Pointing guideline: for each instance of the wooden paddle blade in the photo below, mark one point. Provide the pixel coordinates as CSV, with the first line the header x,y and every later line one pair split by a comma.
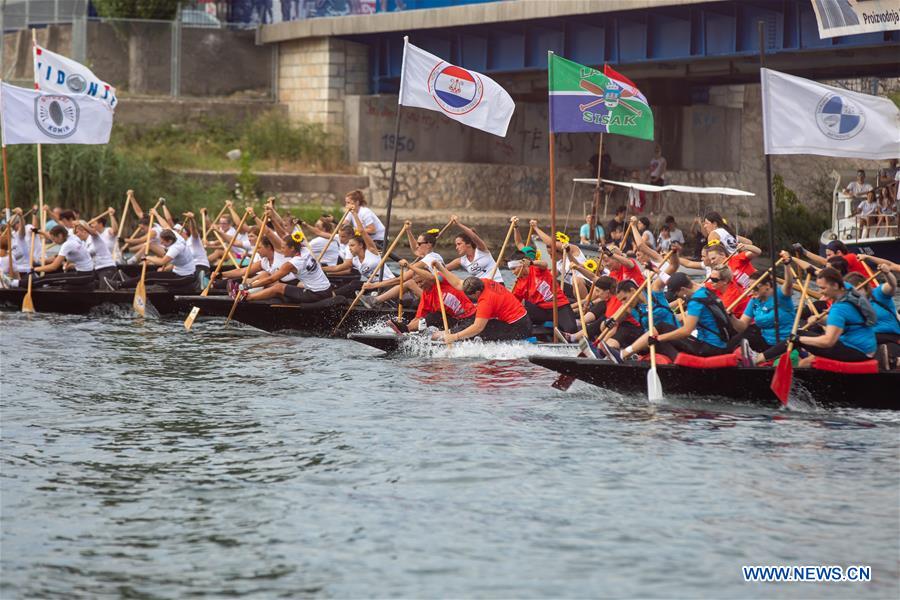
x,y
783,378
27,302
189,322
563,382
654,386
140,299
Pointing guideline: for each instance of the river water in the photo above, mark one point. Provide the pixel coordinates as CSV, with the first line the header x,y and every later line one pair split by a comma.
x,y
139,460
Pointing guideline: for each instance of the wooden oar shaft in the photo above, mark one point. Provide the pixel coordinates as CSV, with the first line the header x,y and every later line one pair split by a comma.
x,y
625,235
331,237
214,221
212,278
621,310
444,228
580,308
790,345
400,297
228,255
237,298
751,287
440,294
509,231
375,272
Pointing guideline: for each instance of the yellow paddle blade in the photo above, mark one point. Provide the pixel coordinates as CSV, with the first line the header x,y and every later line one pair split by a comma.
x,y
27,302
140,299
189,322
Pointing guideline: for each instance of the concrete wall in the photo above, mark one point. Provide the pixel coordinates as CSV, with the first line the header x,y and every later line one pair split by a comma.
x,y
314,76
214,62
446,166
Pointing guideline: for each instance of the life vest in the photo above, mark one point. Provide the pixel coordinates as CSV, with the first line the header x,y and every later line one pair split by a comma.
x,y
862,305
720,315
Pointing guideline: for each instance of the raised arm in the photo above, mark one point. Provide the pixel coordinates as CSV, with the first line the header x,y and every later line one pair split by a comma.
x,y
448,275
370,245
410,238
890,283
787,287
479,243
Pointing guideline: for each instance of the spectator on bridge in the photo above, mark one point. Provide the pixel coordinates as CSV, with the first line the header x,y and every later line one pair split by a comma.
x,y
657,172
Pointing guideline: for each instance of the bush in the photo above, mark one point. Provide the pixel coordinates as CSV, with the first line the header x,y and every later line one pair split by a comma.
x,y
90,178
270,136
794,220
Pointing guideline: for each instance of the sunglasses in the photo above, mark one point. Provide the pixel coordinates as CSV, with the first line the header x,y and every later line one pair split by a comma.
x,y
420,243
715,279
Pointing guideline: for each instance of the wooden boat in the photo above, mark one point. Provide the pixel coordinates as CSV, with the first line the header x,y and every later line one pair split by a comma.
x,y
745,384
317,318
391,343
79,302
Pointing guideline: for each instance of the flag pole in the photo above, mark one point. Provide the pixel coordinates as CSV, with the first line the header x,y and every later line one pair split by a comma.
x,y
771,210
595,206
390,202
40,166
8,218
555,283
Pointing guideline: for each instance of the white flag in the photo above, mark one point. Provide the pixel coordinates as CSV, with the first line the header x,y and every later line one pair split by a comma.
x,y
36,117
804,117
471,98
55,73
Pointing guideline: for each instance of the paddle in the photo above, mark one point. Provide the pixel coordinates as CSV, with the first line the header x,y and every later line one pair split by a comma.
x,y
27,303
189,321
237,297
400,297
375,272
215,221
654,385
440,294
122,220
445,228
228,255
512,225
140,292
331,237
784,373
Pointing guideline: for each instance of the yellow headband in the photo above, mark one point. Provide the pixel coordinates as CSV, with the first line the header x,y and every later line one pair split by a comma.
x,y
434,231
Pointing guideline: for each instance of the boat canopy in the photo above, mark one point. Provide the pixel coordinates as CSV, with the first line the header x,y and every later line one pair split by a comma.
x,y
685,189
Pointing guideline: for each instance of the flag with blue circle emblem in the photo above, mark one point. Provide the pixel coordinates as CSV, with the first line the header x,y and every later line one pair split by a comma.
x,y
463,95
806,117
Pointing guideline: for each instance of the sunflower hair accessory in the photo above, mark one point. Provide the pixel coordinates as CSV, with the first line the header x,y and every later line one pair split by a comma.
x,y
357,232
297,236
537,255
591,265
434,231
562,238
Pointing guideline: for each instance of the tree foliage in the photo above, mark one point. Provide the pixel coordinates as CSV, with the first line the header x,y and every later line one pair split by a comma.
x,y
795,221
137,9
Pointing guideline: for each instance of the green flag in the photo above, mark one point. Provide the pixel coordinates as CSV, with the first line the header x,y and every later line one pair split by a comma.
x,y
583,99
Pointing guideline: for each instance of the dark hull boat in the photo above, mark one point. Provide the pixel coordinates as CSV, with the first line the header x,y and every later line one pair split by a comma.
x,y
825,388
317,318
392,342
79,302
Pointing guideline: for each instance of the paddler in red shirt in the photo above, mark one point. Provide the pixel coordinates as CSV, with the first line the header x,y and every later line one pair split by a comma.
x,y
622,267
460,310
834,248
498,314
534,288
741,263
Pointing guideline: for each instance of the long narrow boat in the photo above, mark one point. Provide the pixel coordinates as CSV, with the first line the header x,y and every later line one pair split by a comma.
x,y
391,343
79,302
317,318
825,388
